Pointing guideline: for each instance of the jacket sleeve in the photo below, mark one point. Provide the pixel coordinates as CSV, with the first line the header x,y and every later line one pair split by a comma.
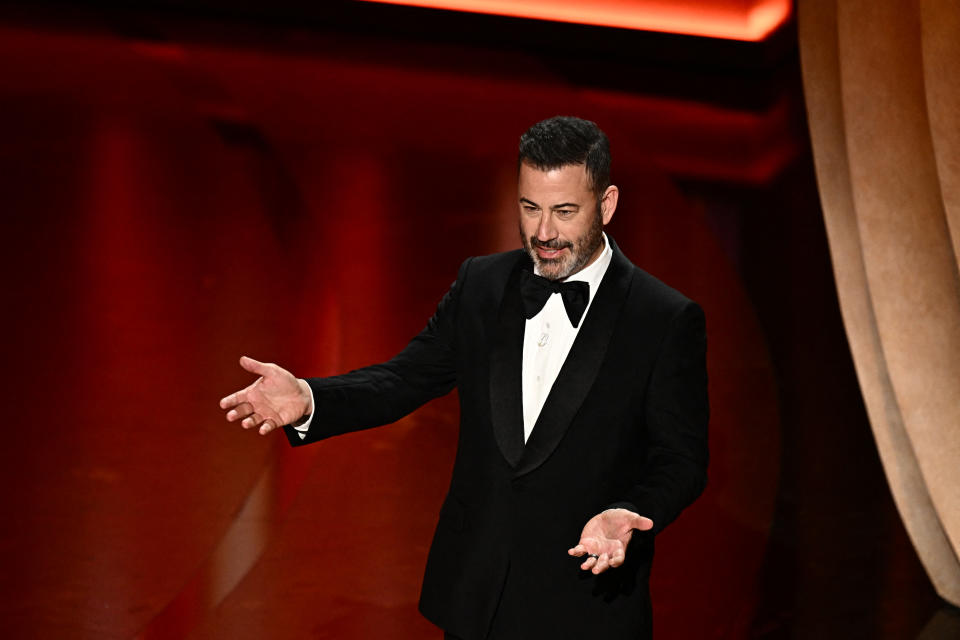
x,y
384,393
676,414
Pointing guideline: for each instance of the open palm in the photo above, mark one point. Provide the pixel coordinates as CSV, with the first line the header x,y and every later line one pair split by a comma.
x,y
274,399
605,537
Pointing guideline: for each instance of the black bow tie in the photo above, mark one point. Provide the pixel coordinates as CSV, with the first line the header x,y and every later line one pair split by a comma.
x,y
536,290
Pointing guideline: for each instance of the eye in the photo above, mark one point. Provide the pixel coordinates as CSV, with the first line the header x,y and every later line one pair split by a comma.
x,y
530,208
564,213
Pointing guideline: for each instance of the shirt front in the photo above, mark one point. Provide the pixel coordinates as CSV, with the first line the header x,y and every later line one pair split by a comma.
x,y
548,337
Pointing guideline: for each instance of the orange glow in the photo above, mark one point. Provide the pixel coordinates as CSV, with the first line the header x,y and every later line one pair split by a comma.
x,y
751,20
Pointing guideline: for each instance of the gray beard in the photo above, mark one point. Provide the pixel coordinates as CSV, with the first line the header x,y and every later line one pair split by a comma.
x,y
581,252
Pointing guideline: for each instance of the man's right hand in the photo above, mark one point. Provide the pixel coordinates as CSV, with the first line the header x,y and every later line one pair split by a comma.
x,y
274,399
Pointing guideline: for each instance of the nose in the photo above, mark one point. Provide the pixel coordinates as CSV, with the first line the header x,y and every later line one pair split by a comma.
x,y
546,230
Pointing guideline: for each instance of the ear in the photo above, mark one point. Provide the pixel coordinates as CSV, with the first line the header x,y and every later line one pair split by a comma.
x,y
608,203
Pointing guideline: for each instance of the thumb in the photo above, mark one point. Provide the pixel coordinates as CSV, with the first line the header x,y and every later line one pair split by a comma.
x,y
641,523
254,366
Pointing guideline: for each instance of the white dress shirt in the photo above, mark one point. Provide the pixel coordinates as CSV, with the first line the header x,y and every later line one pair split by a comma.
x,y
547,338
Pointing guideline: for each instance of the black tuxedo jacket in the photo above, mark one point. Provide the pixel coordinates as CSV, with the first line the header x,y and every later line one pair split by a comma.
x,y
625,424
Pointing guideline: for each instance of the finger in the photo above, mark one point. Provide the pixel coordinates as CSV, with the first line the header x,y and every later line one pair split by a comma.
x,y
617,558
578,550
232,400
254,366
641,523
242,410
603,563
267,427
588,563
254,420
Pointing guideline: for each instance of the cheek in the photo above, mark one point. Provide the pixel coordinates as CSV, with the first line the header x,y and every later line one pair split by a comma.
x,y
570,232
528,226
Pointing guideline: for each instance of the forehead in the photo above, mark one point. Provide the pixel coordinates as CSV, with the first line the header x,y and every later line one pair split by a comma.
x,y
567,183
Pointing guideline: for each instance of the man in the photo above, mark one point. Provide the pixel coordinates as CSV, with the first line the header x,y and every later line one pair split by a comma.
x,y
583,402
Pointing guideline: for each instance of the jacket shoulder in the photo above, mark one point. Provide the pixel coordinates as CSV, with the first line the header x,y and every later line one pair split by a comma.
x,y
490,271
655,295
495,265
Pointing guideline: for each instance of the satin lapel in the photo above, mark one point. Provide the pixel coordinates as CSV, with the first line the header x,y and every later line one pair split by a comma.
x,y
506,362
580,368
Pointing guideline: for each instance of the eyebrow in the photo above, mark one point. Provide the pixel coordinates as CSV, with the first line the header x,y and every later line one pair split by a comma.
x,y
562,205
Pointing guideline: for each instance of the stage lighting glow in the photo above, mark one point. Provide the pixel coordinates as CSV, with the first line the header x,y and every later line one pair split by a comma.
x,y
750,20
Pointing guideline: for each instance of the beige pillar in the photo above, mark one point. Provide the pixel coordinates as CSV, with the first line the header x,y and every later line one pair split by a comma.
x,y
882,110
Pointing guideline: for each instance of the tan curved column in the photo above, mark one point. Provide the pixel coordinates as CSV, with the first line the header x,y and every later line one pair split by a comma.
x,y
892,255
940,28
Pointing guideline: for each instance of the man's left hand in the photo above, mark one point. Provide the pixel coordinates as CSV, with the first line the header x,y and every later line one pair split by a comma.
x,y
605,538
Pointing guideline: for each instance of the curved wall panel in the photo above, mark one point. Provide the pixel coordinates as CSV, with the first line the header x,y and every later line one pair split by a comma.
x,y
887,221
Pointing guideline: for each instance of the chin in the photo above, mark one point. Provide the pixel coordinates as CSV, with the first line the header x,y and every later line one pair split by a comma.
x,y
550,269
553,270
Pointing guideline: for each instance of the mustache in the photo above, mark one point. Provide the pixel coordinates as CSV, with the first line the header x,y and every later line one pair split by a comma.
x,y
550,244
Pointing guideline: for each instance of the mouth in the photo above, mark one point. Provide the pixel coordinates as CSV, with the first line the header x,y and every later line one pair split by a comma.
x,y
549,254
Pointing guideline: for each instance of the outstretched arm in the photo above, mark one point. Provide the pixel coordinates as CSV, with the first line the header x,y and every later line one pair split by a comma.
x,y
677,413
367,397
675,468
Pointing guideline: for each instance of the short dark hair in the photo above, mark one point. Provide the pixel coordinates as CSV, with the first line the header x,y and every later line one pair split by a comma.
x,y
564,140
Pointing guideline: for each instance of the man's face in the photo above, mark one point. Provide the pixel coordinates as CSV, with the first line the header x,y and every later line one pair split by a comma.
x,y
559,222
